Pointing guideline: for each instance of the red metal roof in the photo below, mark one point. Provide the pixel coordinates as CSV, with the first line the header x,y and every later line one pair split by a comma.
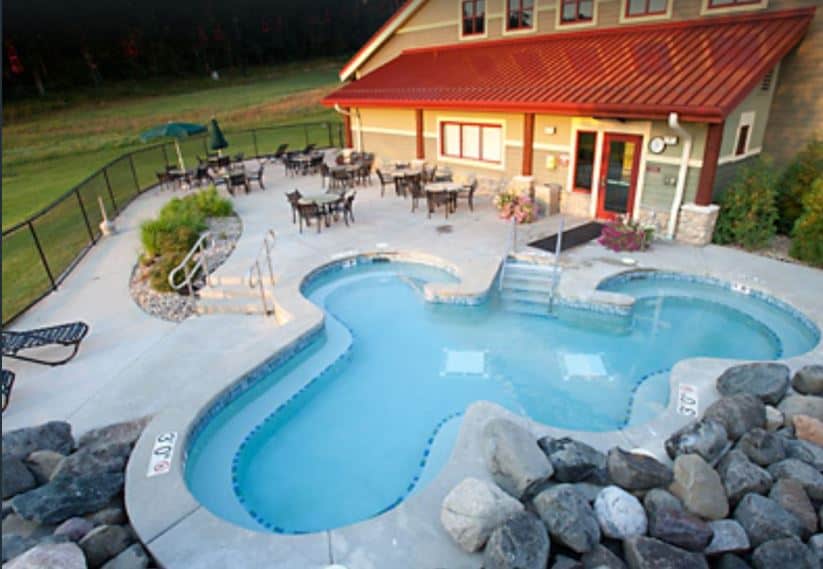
x,y
701,69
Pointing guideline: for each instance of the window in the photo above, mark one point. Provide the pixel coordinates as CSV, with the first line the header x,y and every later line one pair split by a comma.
x,y
742,140
576,11
471,141
474,17
584,161
731,3
636,8
521,14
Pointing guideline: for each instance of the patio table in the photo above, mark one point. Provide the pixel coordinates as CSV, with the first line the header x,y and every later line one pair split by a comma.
x,y
450,189
323,201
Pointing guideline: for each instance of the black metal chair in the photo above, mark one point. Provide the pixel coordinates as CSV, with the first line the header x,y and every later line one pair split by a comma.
x,y
238,180
68,335
294,200
309,148
348,208
279,153
467,191
308,212
257,176
6,383
202,174
324,173
435,199
384,181
414,186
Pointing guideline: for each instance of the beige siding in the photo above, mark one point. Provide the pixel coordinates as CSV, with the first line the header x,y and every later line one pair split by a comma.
x,y
757,102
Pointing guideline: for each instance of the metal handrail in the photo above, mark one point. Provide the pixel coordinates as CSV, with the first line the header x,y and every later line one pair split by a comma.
x,y
556,269
201,263
255,272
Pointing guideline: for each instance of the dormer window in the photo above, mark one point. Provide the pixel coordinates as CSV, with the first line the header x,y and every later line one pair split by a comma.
x,y
731,3
576,11
474,17
520,14
639,8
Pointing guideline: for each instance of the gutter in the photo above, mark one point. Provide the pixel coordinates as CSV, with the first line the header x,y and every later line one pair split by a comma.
x,y
680,188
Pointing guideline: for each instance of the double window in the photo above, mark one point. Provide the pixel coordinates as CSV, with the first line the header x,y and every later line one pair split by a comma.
x,y
584,160
520,14
635,8
572,11
731,3
474,17
472,141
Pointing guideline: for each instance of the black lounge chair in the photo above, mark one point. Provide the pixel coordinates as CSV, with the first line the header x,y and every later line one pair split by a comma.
x,y
64,335
309,148
5,388
279,153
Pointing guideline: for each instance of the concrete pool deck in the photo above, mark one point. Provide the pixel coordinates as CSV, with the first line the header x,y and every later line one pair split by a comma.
x,y
132,364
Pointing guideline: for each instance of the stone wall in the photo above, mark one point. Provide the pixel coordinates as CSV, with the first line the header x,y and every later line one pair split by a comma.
x,y
575,203
696,224
656,218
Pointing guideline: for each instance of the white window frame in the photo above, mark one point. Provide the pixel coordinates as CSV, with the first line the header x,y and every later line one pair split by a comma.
x,y
559,25
706,9
746,119
519,31
501,166
626,19
471,37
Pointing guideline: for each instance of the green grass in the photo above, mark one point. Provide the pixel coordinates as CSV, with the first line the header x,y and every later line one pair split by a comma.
x,y
50,145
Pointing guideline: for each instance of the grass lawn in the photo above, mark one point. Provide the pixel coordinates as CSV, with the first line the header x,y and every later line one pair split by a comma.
x,y
51,144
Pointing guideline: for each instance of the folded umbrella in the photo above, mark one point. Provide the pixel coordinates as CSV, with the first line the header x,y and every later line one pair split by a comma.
x,y
175,130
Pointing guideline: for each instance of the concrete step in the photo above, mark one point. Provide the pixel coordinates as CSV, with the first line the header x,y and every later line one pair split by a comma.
x,y
230,306
227,280
237,291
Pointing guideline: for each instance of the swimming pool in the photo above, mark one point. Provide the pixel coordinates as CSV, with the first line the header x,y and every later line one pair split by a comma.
x,y
346,428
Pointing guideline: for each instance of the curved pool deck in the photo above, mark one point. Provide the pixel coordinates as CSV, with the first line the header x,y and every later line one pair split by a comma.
x,y
181,532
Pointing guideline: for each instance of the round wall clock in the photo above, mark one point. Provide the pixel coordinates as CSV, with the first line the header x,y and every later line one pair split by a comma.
x,y
657,144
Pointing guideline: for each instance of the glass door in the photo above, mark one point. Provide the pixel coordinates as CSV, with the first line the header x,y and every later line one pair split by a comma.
x,y
618,175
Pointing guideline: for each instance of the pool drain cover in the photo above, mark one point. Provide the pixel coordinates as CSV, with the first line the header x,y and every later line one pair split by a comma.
x,y
465,363
444,228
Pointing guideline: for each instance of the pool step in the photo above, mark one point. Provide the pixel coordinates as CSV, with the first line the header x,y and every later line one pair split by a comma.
x,y
234,299
527,287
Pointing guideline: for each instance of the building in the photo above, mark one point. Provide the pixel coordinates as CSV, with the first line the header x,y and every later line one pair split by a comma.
x,y
641,108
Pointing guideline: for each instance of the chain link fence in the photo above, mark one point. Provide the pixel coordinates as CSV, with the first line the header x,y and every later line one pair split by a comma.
x,y
39,252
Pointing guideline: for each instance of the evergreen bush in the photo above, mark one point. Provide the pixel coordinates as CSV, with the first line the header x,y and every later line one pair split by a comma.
x,y
795,182
748,210
807,236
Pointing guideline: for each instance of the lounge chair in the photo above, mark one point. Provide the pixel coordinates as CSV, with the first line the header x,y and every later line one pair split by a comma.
x,y
6,384
64,335
309,148
279,153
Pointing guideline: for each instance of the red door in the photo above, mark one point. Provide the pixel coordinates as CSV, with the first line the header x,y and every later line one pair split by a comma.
x,y
618,175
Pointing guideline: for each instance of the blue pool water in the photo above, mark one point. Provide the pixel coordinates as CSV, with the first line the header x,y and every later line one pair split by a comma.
x,y
393,373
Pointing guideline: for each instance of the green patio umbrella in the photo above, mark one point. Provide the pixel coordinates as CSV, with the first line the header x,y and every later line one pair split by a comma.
x,y
175,130
216,139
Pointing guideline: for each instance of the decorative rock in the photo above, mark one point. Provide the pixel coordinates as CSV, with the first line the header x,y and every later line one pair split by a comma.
x,y
14,545
133,557
808,452
74,528
94,460
63,498
658,499
762,447
513,458
786,552
808,380
619,514
793,498
43,463
774,418
118,433
633,471
573,461
764,519
728,537
731,561
699,487
563,562
741,476
104,542
16,477
681,529
602,558
588,491
113,516
766,381
24,528
473,509
521,542
568,517
650,553
55,435
801,405
706,438
816,545
806,474
808,429
738,414
49,556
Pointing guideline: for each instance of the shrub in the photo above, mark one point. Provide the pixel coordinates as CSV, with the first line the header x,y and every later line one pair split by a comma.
x,y
211,204
748,211
795,182
807,236
620,235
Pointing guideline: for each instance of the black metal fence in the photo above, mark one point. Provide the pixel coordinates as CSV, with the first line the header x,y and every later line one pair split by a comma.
x,y
39,252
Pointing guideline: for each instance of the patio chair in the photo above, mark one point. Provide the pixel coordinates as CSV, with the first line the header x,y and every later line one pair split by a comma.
x,y
468,192
309,148
164,178
294,200
384,181
316,163
340,179
308,212
257,176
69,335
324,173
435,199
291,165
202,174
238,180
414,185
6,383
278,154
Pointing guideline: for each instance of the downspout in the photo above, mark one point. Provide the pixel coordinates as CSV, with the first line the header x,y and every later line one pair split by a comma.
x,y
680,188
340,110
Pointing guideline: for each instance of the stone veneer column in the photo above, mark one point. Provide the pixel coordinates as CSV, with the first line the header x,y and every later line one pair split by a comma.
x,y
696,224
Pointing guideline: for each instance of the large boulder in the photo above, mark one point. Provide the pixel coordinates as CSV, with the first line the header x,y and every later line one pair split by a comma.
x,y
573,461
699,487
808,380
739,414
96,459
807,475
766,381
43,463
619,514
513,458
650,553
808,429
634,471
680,528
764,519
658,499
791,495
741,476
55,435
133,557
786,552
64,498
16,477
808,452
50,556
792,405
119,433
473,509
521,542
103,543
728,536
762,447
706,438
568,517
